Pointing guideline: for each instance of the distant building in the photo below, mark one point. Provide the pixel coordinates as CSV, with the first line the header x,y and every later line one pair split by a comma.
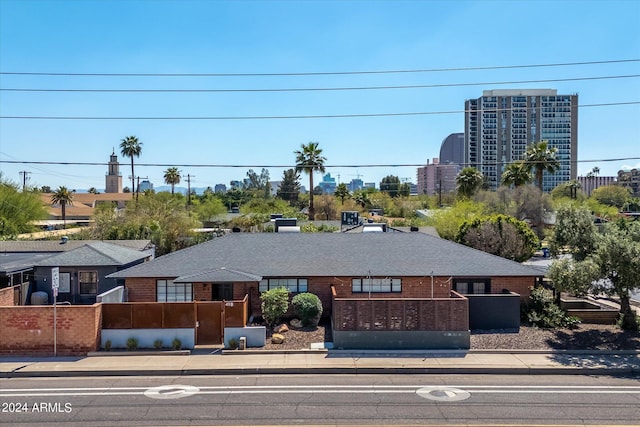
x,y
236,184
328,184
630,179
145,185
437,178
369,185
590,183
355,185
220,188
502,123
113,179
452,149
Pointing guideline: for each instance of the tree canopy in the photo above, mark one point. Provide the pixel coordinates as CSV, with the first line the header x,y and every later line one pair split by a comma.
x,y
541,158
172,177
18,210
131,147
500,235
469,180
309,159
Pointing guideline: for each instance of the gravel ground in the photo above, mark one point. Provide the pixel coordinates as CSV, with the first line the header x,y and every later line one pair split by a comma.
x,y
583,337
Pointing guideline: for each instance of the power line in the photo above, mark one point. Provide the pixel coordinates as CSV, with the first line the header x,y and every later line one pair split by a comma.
x,y
319,116
319,73
213,165
318,89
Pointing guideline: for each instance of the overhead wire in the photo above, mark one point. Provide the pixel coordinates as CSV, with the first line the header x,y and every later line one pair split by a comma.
x,y
317,89
317,116
319,73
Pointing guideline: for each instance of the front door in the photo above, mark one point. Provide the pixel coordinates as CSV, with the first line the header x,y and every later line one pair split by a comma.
x,y
222,291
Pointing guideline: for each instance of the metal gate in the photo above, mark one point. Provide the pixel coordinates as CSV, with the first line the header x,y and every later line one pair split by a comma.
x,y
209,322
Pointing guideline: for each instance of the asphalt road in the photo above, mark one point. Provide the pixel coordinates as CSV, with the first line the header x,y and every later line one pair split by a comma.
x,y
320,400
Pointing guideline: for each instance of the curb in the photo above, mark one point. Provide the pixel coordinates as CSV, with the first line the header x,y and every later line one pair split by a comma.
x,y
334,371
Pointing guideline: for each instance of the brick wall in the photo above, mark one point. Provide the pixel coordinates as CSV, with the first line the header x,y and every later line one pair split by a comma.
x,y
6,297
141,289
519,285
29,329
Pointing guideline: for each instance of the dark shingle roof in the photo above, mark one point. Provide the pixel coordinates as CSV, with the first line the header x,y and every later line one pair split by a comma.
x,y
94,254
47,246
330,254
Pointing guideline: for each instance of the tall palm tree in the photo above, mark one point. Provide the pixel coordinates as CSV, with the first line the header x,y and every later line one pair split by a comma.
x,y
131,147
542,158
172,177
63,197
516,174
309,159
469,180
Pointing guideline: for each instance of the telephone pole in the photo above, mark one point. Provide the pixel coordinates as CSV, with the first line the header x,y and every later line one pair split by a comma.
x,y
189,188
25,178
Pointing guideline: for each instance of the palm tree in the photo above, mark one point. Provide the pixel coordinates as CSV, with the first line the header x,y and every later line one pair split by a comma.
x,y
131,147
469,180
516,174
309,159
172,177
342,192
63,197
542,158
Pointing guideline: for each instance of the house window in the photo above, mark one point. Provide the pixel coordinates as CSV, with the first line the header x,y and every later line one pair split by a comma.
x,y
293,285
472,286
376,285
88,281
167,291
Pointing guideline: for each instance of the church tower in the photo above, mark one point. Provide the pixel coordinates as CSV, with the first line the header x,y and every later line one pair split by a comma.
x,y
113,178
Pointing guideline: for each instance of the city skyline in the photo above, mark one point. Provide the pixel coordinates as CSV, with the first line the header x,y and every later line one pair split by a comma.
x,y
245,84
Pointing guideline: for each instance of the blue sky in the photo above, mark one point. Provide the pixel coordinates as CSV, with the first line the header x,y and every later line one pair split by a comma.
x,y
245,37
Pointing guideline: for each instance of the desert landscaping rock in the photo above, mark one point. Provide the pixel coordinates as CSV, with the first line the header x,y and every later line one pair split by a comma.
x,y
277,339
583,337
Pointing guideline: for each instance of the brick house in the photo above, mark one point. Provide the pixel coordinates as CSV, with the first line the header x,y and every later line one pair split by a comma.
x,y
364,265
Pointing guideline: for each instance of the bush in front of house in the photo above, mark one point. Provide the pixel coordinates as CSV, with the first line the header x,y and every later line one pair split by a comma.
x,y
132,344
543,312
275,303
308,307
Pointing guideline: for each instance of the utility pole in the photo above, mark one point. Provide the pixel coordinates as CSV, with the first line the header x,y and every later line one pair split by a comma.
x,y
138,185
189,188
25,178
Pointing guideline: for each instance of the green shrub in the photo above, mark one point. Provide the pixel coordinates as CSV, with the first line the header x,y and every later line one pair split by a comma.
x,y
107,345
157,344
308,307
543,312
132,344
176,344
233,343
275,303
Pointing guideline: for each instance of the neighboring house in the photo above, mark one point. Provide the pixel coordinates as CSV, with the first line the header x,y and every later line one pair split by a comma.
x,y
83,271
20,259
360,265
83,205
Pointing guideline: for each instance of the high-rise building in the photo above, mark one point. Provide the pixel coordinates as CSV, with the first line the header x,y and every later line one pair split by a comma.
x,y
502,123
113,179
452,149
437,178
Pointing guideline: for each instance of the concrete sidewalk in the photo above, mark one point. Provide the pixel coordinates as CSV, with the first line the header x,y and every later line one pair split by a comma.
x,y
328,362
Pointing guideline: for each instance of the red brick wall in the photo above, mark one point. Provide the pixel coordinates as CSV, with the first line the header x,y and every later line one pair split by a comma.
x,y
6,297
141,289
519,285
202,291
29,329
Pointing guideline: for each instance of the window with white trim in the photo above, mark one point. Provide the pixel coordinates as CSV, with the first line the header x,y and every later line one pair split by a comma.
x,y
293,285
167,291
376,285
88,281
